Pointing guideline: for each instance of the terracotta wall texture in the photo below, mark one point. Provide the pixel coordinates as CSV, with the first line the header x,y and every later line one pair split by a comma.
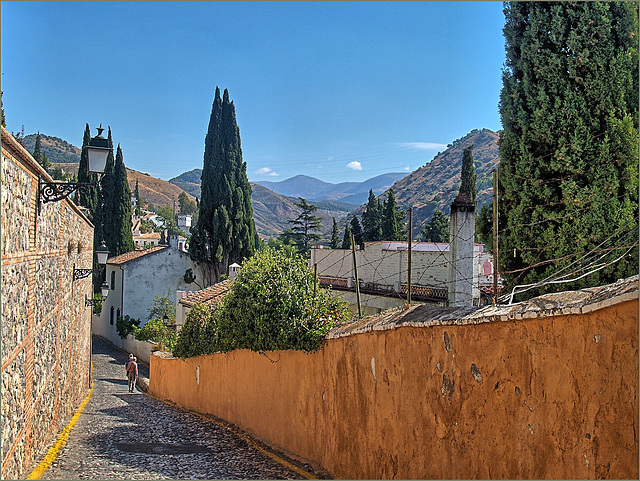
x,y
46,328
555,396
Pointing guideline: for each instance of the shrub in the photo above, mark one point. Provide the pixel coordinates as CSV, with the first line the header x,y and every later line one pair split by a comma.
x,y
270,306
156,331
126,325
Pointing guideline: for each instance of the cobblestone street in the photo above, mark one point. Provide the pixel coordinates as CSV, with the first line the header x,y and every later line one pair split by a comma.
x,y
121,435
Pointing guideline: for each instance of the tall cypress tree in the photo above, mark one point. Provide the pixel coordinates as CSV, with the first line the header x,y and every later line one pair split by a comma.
x,y
346,239
334,244
104,221
392,219
356,230
372,219
122,225
468,175
38,154
225,231
88,198
569,150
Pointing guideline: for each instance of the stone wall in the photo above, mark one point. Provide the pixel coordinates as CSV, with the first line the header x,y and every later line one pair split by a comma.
x,y
546,389
46,329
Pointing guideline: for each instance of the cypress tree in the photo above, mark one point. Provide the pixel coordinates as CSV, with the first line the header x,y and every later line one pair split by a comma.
x,y
38,153
88,198
122,233
356,230
569,150
392,220
225,231
334,244
346,240
372,219
468,175
437,229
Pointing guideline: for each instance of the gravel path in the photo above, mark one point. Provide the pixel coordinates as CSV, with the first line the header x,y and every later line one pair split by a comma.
x,y
121,435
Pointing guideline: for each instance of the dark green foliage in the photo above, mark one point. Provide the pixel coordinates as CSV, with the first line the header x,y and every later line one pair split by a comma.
x,y
346,239
156,331
187,206
569,151
163,306
225,231
356,230
3,121
270,306
392,220
88,198
484,226
372,219
39,155
468,176
437,229
335,239
306,227
122,238
126,325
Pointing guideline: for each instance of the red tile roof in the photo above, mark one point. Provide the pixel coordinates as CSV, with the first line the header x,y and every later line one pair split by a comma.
x,y
209,295
129,256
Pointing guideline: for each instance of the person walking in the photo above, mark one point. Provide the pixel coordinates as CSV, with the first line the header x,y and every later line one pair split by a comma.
x,y
132,373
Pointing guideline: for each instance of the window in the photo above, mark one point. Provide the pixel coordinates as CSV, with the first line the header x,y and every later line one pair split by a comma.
x,y
117,313
113,280
111,315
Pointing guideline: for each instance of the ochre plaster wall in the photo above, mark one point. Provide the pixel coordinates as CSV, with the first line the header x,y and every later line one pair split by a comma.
x,y
548,398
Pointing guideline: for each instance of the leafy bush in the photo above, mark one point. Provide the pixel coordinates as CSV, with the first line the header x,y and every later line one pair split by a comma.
x,y
156,331
126,325
270,306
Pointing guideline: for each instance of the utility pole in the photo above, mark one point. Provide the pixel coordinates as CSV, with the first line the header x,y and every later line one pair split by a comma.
x,y
495,236
315,278
409,258
355,270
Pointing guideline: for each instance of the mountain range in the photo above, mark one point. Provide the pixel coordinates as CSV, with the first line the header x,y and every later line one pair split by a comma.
x,y
432,186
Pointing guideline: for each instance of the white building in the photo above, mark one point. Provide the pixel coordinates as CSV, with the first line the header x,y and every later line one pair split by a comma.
x,y
141,240
134,279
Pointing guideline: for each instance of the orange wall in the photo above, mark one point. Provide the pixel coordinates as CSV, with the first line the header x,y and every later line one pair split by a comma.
x,y
549,401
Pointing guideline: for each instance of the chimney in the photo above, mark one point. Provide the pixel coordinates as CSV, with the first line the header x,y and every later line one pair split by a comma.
x,y
233,271
462,241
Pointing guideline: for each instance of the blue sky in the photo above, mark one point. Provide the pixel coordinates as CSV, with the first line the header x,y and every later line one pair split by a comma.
x,y
342,91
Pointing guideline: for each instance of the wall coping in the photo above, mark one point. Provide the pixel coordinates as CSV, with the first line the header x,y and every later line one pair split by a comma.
x,y
27,158
557,304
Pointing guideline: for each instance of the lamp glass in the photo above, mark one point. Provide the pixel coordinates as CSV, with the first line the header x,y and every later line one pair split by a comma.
x,y
105,290
96,159
102,254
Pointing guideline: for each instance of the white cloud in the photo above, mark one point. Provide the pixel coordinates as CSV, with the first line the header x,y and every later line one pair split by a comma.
x,y
355,165
265,171
422,145
406,168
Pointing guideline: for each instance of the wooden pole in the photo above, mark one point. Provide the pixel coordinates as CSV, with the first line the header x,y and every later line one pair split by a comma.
x,y
315,278
355,270
495,236
409,259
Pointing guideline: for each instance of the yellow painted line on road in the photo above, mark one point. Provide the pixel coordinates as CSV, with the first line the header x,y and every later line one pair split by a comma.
x,y
62,439
248,440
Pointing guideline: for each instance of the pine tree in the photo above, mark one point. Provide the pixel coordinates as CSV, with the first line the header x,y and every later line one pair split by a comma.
x,y
437,229
569,150
88,198
346,240
334,244
392,219
225,231
372,219
468,177
305,226
356,230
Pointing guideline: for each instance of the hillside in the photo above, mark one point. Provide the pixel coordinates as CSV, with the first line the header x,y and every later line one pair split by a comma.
x,y
189,182
156,191
57,150
436,184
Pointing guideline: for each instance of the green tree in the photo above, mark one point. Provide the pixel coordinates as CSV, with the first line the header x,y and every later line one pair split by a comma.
x,y
346,239
89,198
163,306
38,154
372,219
122,235
335,239
392,220
484,226
3,120
468,177
225,231
187,206
306,226
437,229
356,230
569,150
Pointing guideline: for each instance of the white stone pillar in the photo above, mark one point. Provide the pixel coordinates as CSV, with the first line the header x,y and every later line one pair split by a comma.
x,y
462,240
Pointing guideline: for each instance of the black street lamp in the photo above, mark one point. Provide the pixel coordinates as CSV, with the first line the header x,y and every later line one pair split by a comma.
x,y
97,152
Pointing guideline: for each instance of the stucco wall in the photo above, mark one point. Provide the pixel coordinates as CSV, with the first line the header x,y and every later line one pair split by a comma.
x,y
550,397
46,328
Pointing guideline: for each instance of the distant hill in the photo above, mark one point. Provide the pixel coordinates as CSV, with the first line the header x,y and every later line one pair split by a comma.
x,y
57,150
435,185
189,182
156,191
317,190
